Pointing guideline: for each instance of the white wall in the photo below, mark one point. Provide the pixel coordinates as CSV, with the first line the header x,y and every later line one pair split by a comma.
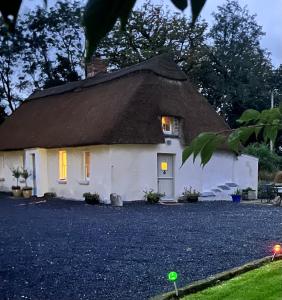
x,y
128,170
134,169
246,171
75,184
9,161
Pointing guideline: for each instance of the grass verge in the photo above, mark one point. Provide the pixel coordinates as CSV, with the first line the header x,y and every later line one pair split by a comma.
x,y
264,283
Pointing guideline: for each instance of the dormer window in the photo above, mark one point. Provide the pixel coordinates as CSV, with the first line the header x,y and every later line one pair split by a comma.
x,y
170,125
167,125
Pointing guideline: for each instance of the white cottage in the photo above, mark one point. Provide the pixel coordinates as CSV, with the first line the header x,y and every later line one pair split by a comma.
x,y
121,132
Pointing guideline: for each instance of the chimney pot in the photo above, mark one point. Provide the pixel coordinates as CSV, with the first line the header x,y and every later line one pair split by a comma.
x,y
95,66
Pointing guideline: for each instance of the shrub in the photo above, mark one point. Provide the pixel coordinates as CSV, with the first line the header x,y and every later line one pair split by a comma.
x,y
50,195
269,162
189,195
91,198
152,197
16,187
278,177
25,174
16,174
238,192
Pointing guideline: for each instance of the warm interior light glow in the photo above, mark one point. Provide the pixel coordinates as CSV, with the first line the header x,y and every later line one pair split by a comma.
x,y
277,249
87,165
164,166
62,165
167,124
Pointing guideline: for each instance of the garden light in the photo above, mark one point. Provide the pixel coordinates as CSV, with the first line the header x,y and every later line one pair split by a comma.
x,y
172,276
276,250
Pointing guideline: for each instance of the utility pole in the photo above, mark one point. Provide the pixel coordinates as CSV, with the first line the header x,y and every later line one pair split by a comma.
x,y
271,106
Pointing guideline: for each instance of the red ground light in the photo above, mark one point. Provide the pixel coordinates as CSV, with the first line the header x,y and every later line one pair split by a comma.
x,y
277,249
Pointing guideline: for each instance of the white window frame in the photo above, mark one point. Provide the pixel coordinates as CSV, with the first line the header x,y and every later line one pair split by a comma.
x,y
170,125
84,170
59,165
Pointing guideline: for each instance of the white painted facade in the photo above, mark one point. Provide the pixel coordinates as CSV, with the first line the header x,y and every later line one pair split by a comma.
x,y
127,170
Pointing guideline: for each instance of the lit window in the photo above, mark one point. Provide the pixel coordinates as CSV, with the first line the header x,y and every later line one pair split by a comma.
x,y
62,165
167,124
86,165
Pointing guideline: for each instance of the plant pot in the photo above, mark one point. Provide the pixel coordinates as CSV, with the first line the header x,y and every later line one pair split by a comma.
x,y
236,198
245,195
116,200
192,198
17,192
27,193
90,200
251,195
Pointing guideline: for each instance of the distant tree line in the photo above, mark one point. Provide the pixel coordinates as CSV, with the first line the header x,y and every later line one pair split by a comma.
x,y
226,62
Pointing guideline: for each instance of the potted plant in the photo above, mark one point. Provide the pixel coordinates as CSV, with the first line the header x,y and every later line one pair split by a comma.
x,y
27,190
16,189
236,197
248,194
91,198
152,197
189,195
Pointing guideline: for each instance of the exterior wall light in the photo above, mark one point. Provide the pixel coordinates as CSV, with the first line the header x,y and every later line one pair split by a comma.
x,y
164,167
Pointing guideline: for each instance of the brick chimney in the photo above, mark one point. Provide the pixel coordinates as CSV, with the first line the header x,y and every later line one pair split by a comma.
x,y
95,66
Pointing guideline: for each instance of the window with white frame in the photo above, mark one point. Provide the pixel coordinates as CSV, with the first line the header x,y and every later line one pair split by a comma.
x,y
86,165
62,165
167,124
170,125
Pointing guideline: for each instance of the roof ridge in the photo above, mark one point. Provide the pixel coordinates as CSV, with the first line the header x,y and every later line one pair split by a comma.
x,y
161,65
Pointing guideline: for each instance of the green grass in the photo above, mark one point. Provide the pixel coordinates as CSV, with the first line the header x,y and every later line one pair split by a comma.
x,y
264,283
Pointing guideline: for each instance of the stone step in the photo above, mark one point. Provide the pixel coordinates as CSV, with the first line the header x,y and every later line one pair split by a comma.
x,y
223,187
231,184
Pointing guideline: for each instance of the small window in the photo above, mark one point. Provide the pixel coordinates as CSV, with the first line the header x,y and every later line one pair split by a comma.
x,y
62,165
1,164
86,165
167,125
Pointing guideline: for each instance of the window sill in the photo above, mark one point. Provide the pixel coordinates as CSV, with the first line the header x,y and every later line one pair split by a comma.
x,y
171,135
83,182
61,181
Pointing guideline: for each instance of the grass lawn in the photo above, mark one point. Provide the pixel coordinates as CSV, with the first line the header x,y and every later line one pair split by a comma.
x,y
264,283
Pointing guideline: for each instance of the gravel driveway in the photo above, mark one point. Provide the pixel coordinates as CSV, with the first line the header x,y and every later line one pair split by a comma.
x,y
69,250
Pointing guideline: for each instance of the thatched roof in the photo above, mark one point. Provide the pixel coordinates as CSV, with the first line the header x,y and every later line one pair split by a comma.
x,y
123,107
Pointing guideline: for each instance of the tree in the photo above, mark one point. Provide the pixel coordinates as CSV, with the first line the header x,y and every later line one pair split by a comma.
x,y
150,31
54,44
269,161
238,71
46,49
99,17
12,80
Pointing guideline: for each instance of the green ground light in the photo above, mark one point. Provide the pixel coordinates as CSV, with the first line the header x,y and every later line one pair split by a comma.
x,y
172,276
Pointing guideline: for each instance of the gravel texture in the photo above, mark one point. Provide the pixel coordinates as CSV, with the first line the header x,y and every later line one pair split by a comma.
x,y
70,250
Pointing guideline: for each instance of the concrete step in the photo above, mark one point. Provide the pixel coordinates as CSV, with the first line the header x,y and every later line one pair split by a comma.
x,y
221,192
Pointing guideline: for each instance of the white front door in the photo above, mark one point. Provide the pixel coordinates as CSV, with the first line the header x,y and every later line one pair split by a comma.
x,y
166,175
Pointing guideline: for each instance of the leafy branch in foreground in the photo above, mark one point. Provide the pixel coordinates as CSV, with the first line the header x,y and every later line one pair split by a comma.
x,y
99,16
253,123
